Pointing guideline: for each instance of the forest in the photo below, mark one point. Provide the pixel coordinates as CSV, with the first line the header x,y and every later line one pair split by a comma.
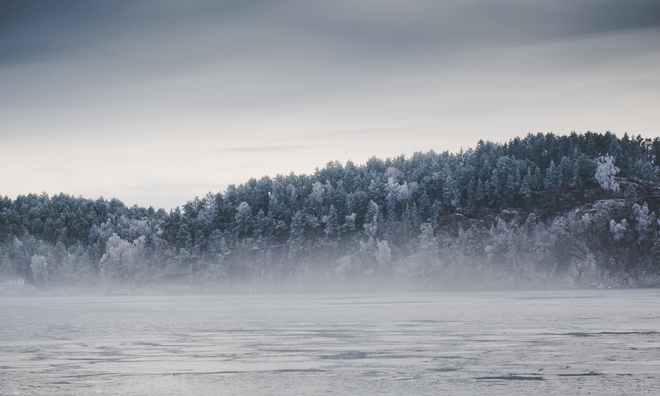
x,y
575,210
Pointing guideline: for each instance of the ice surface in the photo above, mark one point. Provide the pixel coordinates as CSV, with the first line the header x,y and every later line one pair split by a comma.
x,y
600,342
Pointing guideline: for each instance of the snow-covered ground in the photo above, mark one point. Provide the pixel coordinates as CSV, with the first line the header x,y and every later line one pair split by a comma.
x,y
600,342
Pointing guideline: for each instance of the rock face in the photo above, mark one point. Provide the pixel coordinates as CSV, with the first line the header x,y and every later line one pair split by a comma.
x,y
612,240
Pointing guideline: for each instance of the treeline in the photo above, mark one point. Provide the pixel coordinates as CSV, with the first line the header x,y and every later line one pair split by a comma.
x,y
579,208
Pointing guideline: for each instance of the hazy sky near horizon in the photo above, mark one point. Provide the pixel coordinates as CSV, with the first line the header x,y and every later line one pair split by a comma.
x,y
154,102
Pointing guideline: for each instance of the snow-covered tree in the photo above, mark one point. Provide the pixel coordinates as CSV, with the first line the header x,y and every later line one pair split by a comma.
x,y
371,222
121,259
243,220
318,192
552,180
618,230
644,221
331,221
606,173
297,236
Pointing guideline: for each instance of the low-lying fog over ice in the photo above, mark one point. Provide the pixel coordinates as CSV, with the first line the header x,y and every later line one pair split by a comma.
x,y
601,342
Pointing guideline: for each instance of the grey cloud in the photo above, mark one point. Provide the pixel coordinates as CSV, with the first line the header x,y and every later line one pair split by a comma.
x,y
33,30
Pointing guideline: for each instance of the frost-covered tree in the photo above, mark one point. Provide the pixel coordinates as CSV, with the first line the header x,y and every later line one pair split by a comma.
x,y
372,221
618,229
606,173
243,219
331,221
297,237
552,180
450,192
526,185
121,260
644,221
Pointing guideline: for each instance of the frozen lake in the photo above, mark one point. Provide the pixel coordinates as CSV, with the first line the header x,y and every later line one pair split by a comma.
x,y
600,342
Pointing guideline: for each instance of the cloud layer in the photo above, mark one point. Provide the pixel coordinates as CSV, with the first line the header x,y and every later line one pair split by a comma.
x,y
182,97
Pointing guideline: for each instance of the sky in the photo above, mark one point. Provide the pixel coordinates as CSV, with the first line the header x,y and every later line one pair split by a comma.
x,y
156,102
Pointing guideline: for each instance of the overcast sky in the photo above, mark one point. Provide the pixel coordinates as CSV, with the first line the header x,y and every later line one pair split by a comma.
x,y
154,102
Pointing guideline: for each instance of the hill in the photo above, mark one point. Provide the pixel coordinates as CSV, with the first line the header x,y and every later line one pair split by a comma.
x,y
579,209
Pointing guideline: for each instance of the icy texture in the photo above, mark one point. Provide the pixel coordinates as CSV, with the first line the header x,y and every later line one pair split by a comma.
x,y
602,342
